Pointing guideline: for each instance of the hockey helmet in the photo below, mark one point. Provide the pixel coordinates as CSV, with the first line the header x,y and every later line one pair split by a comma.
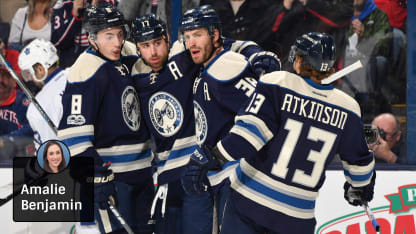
x,y
103,16
39,51
317,49
147,28
201,17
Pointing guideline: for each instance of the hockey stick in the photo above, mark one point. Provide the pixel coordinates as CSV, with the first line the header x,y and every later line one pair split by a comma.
x,y
154,7
28,94
371,217
347,70
120,218
18,190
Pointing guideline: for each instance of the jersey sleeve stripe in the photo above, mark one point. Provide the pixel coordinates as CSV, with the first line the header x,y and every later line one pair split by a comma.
x,y
239,46
224,152
256,141
117,158
133,165
358,176
76,131
216,177
259,123
179,144
124,149
358,170
78,148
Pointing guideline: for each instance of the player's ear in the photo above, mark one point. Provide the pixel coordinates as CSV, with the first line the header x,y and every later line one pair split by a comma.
x,y
216,38
91,40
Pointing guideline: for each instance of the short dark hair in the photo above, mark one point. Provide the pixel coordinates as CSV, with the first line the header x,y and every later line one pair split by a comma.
x,y
46,167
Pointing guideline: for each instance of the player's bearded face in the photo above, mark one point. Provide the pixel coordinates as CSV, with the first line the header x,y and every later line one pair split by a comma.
x,y
199,43
154,52
109,42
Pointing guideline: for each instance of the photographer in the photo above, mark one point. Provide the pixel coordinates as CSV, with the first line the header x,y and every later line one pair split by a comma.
x,y
390,147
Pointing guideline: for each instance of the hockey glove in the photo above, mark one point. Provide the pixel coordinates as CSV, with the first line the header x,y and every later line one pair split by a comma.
x,y
195,181
264,62
357,196
103,186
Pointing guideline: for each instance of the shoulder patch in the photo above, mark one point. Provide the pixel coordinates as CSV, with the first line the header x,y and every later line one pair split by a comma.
x,y
177,48
348,102
84,68
140,67
129,48
274,77
228,66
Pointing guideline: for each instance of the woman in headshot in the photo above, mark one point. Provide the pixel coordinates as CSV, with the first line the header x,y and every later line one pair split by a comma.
x,y
53,158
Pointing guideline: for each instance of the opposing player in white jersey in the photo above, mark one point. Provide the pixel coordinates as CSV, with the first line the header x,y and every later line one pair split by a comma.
x,y
285,137
39,61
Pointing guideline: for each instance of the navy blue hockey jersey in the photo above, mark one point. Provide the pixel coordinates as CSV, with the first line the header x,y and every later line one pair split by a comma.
x,y
286,136
220,90
64,25
101,115
167,105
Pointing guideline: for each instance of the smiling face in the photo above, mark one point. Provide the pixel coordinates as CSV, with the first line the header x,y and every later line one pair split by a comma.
x,y
198,41
109,42
154,52
54,156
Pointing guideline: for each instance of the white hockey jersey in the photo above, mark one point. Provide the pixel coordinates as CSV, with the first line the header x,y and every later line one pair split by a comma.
x,y
49,98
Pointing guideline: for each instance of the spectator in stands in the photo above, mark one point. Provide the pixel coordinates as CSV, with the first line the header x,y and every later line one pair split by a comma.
x,y
14,127
283,21
391,147
369,40
58,23
238,16
10,55
396,10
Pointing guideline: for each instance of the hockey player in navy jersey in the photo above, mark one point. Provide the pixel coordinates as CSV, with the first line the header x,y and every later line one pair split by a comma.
x,y
101,119
165,91
39,62
226,80
285,137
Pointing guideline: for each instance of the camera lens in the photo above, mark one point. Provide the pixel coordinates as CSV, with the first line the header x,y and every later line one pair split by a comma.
x,y
371,134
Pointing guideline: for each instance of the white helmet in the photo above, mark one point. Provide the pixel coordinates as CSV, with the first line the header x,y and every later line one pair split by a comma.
x,y
38,51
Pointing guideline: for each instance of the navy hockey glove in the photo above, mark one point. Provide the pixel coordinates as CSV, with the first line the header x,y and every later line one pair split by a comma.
x,y
195,181
103,186
357,196
264,62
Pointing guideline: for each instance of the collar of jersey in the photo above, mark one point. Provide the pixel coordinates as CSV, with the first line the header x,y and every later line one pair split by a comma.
x,y
10,99
53,74
213,60
317,86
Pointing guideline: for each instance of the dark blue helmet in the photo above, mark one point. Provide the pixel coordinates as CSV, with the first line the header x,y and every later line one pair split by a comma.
x,y
102,16
317,50
147,28
201,17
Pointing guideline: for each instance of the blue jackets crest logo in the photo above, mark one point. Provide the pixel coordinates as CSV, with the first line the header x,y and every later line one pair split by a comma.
x,y
131,108
201,124
166,113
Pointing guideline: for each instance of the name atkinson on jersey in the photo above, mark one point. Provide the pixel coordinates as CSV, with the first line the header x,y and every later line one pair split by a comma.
x,y
314,110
